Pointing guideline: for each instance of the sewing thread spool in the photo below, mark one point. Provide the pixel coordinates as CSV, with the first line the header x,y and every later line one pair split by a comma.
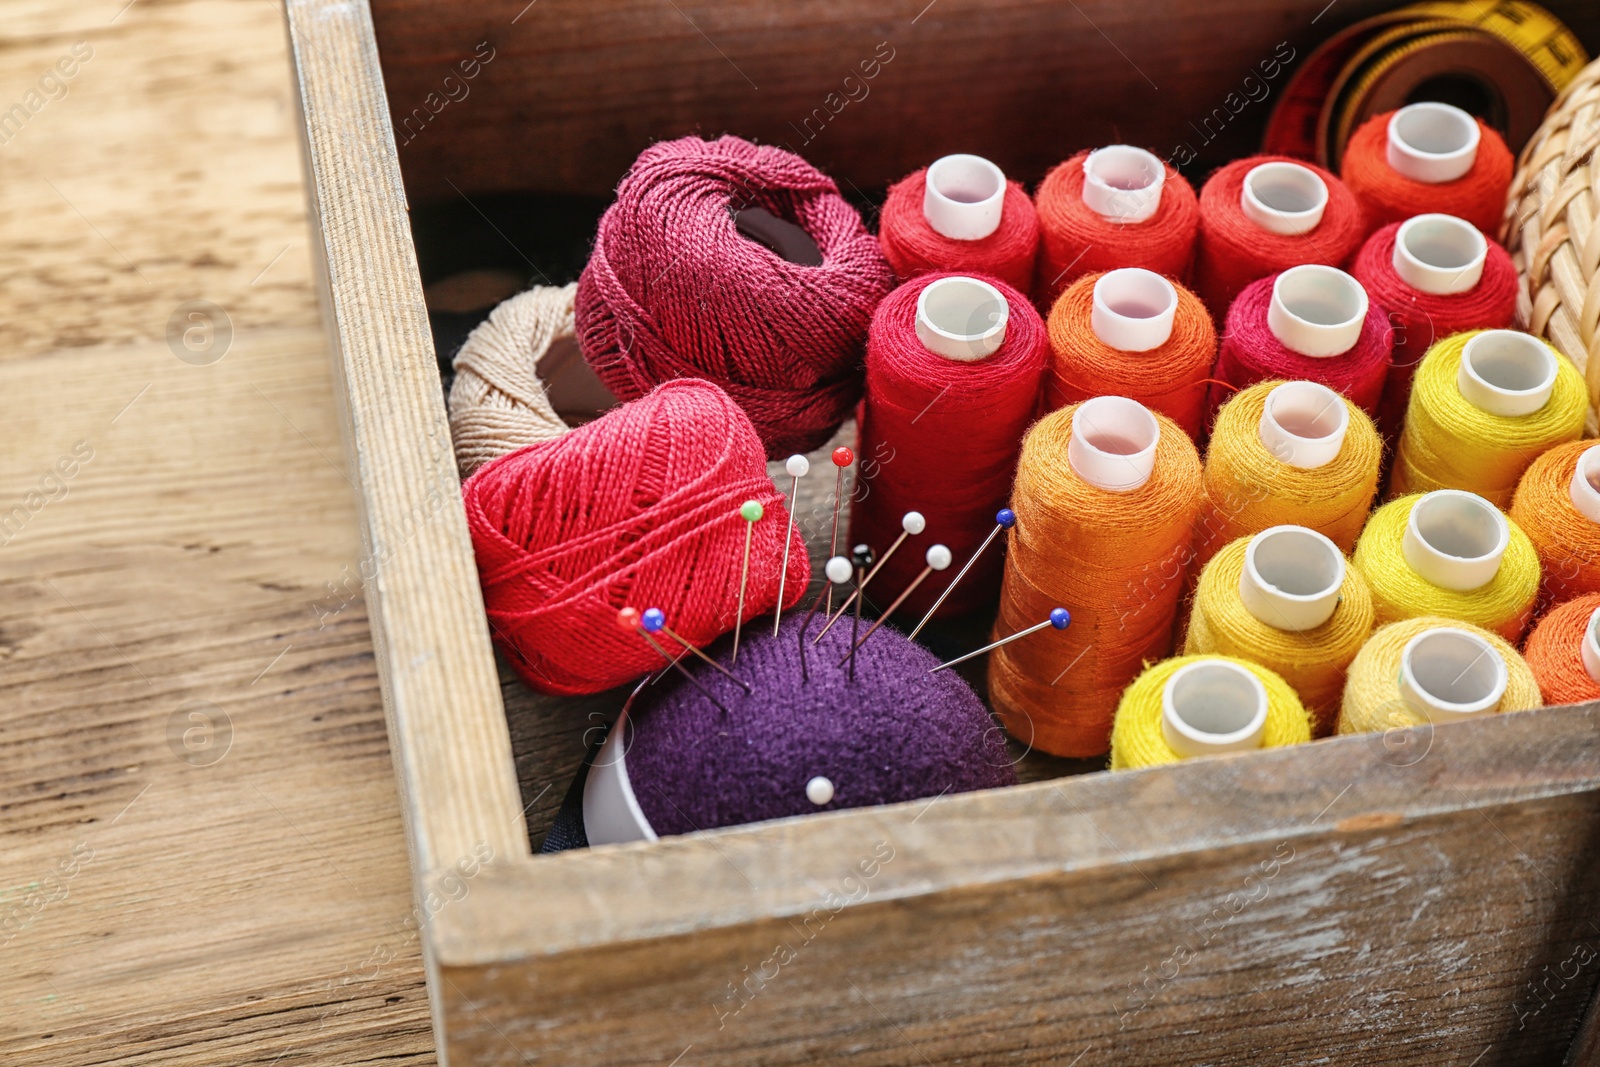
x,y
1288,452
1285,599
960,215
1309,323
954,368
1130,332
1450,554
1563,652
1485,405
1433,669
1192,706
1557,504
1106,497
1428,157
1265,214
1118,206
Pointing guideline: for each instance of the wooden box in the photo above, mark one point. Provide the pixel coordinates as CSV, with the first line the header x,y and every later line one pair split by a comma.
x,y
1424,897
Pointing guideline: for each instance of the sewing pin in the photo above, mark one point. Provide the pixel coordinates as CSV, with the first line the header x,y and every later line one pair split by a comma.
x,y
654,620
1004,520
862,558
838,571
938,558
911,523
798,467
629,619
842,458
1059,618
750,511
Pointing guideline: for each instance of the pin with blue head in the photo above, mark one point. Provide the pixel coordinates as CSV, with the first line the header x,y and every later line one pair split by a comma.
x,y
1004,519
1060,619
629,619
654,621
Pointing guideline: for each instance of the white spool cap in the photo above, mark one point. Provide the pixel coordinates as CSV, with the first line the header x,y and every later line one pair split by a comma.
x,y
1455,539
1317,311
1284,198
611,812
1431,142
962,319
1213,706
1303,424
1591,646
1450,675
1113,443
963,197
1439,254
1133,309
1123,183
1585,486
1506,372
1291,578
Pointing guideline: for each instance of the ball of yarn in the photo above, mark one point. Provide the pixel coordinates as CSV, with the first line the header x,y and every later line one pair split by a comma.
x,y
1115,560
1136,738
673,290
1568,541
914,247
1075,240
1450,443
1169,378
1419,319
1504,605
1251,353
943,436
1248,489
1386,195
497,401
1231,251
1312,661
639,507
1554,652
1372,700
892,734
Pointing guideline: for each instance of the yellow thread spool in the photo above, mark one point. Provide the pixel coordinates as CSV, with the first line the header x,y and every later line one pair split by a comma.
x,y
1137,735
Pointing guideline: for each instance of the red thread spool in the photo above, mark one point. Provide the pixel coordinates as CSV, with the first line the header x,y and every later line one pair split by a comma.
x,y
1386,195
1075,240
943,434
674,290
1232,250
1555,653
640,506
914,247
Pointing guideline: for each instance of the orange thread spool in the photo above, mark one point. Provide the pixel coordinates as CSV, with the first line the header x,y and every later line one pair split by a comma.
x,y
1386,195
1555,653
1568,541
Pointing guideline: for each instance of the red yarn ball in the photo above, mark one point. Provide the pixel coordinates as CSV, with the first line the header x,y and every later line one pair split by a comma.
x,y
674,290
914,247
1386,195
638,508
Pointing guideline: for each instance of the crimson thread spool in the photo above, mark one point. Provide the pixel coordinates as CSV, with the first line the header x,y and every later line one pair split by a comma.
x,y
640,506
1557,504
1130,332
1265,214
1117,206
954,368
1428,157
674,289
1564,652
960,214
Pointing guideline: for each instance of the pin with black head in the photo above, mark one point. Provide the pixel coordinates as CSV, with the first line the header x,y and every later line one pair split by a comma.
x,y
861,559
1060,618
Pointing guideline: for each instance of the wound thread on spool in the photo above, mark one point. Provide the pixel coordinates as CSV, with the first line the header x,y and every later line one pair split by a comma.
x,y
915,246
1563,651
1167,376
1204,703
1255,599
1234,249
1428,157
1076,239
1557,504
673,288
1483,407
1105,498
1413,546
1454,672
951,427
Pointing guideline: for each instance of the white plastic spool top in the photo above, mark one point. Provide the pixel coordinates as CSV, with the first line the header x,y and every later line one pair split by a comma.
x,y
1455,539
1133,309
1123,183
1291,578
1585,486
1304,424
611,812
1213,706
1432,142
1506,372
1113,443
962,319
1591,645
1439,254
1317,311
963,197
1449,675
1284,198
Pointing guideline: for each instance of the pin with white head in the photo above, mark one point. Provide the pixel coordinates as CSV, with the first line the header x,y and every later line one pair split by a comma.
x,y
963,197
1004,519
1213,706
1060,619
937,559
819,791
838,571
1123,183
654,621
1432,142
1507,373
1317,311
911,524
798,467
842,458
629,619
751,512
